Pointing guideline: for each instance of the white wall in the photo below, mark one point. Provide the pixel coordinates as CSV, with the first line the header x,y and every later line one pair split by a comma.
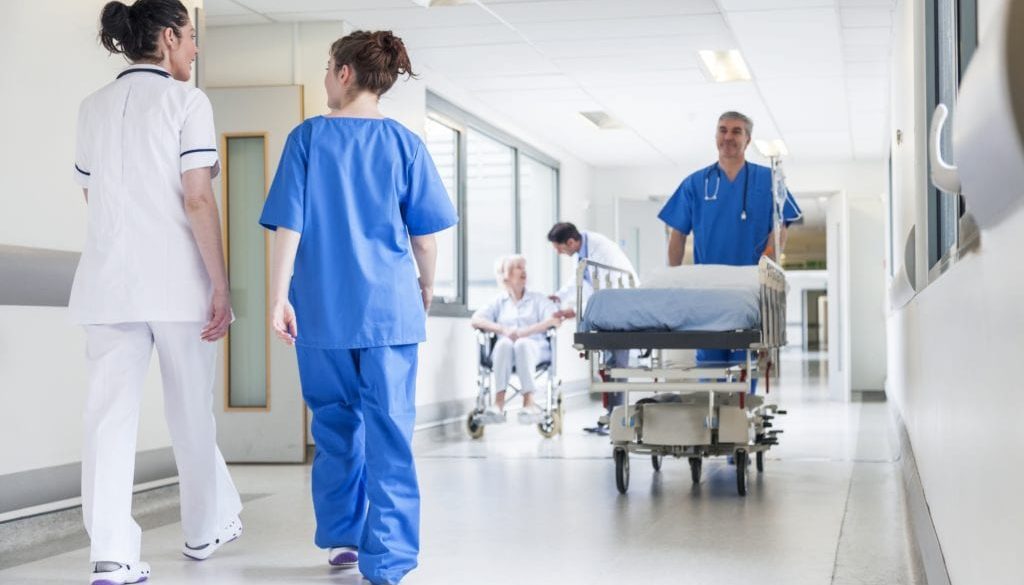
x,y
285,54
952,351
42,356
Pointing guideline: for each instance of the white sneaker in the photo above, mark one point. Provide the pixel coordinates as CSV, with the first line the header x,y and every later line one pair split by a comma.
x,y
493,415
530,414
343,557
111,573
202,552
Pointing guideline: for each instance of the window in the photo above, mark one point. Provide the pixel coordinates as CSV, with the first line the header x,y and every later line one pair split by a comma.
x,y
538,190
507,196
443,146
952,37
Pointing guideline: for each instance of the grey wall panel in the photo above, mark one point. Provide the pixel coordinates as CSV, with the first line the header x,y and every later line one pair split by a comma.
x,y
36,276
36,487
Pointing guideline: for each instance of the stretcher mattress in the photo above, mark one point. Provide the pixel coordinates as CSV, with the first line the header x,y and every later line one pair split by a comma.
x,y
675,309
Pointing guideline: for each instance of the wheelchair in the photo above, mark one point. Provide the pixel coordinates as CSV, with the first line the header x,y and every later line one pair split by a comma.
x,y
550,403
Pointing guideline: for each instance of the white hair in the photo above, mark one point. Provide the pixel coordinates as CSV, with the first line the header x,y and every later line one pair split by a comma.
x,y
502,265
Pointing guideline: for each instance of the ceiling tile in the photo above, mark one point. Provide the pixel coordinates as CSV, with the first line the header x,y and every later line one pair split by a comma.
x,y
635,29
761,6
571,10
860,17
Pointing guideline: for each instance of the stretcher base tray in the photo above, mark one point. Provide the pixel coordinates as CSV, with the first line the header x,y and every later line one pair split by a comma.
x,y
738,339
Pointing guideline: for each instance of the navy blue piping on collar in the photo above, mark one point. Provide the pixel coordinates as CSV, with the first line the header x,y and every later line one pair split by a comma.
x,y
199,150
79,169
159,72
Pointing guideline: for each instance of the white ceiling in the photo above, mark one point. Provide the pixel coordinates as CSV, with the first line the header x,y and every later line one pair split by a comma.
x,y
820,67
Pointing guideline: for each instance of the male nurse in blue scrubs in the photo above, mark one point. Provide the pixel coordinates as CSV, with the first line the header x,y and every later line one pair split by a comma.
x,y
727,206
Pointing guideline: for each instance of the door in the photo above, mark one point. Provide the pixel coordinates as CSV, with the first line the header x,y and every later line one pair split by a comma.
x,y
258,404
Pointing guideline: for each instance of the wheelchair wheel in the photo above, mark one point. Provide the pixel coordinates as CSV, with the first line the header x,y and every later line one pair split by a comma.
x,y
551,425
474,428
656,462
621,469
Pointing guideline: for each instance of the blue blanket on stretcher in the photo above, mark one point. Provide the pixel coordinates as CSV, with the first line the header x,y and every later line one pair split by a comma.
x,y
674,309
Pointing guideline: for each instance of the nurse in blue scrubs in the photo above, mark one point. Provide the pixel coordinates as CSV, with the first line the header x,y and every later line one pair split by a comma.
x,y
728,208
355,203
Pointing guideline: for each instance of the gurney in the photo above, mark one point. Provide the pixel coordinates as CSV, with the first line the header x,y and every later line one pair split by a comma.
x,y
691,411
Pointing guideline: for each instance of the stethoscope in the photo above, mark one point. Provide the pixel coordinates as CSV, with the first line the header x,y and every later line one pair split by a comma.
x,y
714,196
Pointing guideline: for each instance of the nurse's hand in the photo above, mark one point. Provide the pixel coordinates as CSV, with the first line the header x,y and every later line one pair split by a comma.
x,y
282,319
220,317
427,293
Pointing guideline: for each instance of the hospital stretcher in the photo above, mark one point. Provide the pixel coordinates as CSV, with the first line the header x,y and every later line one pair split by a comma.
x,y
689,411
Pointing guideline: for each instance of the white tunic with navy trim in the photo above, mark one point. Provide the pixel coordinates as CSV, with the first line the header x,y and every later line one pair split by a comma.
x,y
136,136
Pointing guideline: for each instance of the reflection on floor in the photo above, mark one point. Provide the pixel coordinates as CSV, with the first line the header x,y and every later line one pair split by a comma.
x,y
515,508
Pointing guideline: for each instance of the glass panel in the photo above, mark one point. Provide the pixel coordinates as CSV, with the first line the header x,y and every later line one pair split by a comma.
x,y
946,61
443,146
538,188
247,342
490,213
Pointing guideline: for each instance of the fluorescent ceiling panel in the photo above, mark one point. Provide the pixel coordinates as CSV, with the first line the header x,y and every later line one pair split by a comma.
x,y
771,147
725,66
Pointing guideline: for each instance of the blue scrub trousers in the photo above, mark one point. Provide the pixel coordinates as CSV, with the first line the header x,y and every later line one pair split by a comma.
x,y
365,492
722,356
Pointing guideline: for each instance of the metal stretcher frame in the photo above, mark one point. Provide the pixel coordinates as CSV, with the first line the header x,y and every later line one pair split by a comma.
x,y
723,384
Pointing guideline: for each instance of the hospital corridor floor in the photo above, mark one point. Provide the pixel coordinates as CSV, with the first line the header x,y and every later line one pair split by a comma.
x,y
514,508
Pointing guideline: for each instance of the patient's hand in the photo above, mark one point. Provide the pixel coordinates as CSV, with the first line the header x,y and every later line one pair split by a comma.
x,y
566,314
512,334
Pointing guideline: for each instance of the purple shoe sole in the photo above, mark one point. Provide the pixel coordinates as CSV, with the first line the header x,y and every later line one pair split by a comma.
x,y
345,559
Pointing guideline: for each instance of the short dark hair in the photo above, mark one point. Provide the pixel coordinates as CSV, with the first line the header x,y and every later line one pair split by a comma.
x,y
133,31
562,232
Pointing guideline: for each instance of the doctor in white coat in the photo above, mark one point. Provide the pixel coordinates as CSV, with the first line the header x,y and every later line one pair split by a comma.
x,y
151,275
586,245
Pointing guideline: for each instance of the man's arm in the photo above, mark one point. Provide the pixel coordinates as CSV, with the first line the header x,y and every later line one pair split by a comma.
x,y
769,250
676,247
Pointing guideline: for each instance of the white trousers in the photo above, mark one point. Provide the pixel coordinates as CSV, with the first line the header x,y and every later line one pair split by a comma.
x,y
118,357
525,354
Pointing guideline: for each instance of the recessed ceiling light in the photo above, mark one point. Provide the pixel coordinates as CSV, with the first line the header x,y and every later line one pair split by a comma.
x,y
725,66
770,148
602,120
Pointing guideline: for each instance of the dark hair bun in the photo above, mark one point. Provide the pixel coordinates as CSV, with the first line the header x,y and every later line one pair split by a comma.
x,y
377,57
133,30
115,26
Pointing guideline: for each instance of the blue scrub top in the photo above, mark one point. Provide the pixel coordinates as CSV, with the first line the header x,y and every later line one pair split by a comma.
x,y
356,189
711,206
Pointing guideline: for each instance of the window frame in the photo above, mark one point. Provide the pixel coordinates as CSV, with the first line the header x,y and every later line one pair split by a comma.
x,y
965,20
445,112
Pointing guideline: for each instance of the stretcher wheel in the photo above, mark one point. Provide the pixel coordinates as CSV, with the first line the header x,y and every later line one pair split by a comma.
x,y
760,461
474,428
656,462
621,469
695,466
741,459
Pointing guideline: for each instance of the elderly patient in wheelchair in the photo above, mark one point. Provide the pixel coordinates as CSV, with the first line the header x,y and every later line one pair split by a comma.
x,y
516,325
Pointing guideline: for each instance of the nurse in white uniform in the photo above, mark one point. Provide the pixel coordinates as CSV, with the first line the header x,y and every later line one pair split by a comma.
x,y
151,274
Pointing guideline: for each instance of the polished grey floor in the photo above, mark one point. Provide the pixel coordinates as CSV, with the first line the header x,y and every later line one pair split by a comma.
x,y
514,508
